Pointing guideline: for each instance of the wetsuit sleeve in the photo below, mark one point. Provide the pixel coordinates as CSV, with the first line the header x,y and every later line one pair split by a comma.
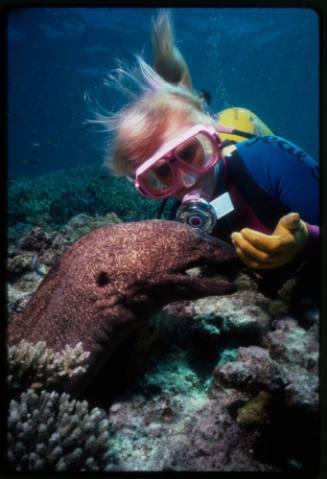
x,y
288,174
314,235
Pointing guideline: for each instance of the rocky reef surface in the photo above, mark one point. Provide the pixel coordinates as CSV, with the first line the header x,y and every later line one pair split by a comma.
x,y
226,383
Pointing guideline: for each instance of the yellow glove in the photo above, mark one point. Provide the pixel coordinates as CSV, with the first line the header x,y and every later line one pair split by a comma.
x,y
261,251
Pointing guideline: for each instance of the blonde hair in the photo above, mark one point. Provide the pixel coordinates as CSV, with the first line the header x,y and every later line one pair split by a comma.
x,y
152,114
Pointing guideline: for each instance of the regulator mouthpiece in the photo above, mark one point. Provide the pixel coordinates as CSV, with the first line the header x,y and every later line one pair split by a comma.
x,y
197,213
200,214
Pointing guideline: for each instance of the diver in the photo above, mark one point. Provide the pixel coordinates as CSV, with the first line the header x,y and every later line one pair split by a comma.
x,y
258,191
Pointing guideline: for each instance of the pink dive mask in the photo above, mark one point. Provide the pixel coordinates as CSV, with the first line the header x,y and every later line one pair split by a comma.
x,y
179,162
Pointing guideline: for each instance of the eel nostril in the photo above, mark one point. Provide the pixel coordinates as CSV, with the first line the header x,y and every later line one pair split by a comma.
x,y
102,279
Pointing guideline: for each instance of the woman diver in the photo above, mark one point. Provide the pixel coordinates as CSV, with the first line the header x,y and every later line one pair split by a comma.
x,y
261,194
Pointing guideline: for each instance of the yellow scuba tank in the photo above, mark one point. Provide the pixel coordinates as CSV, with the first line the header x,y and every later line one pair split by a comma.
x,y
243,120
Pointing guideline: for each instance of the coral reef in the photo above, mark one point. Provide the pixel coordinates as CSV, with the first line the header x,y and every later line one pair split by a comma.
x,y
82,224
252,371
293,373
54,198
38,367
181,428
45,246
214,317
226,383
37,239
297,351
19,264
52,432
16,300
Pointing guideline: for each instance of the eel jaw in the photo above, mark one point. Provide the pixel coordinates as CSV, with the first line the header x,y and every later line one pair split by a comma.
x,y
214,286
198,286
215,278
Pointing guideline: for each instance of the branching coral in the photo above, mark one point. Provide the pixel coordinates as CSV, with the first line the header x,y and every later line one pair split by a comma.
x,y
52,432
37,366
56,197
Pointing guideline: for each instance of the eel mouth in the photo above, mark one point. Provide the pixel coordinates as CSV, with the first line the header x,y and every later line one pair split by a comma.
x,y
217,274
216,285
213,281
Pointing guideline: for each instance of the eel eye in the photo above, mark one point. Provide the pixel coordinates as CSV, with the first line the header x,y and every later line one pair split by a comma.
x,y
210,247
102,279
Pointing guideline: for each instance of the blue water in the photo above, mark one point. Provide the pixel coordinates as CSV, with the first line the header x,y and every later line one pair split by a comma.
x,y
263,59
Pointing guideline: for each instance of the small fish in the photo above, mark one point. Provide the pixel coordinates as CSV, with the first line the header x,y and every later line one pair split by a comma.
x,y
53,142
35,265
30,162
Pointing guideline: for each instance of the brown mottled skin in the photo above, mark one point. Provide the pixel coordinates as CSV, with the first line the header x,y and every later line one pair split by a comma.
x,y
113,279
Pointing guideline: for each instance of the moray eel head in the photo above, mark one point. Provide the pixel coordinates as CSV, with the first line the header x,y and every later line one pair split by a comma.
x,y
156,254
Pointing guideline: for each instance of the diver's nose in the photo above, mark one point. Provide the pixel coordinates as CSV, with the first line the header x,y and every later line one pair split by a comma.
x,y
188,179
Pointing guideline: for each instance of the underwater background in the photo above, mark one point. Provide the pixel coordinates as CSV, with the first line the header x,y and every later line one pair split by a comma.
x,y
265,59
223,384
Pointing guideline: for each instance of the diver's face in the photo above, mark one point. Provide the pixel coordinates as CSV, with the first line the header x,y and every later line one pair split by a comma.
x,y
181,164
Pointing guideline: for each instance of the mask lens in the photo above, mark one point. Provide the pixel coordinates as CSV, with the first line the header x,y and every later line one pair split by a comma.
x,y
159,178
197,152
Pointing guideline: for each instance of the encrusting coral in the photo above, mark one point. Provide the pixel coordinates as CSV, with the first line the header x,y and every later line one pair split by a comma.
x,y
51,432
254,412
37,366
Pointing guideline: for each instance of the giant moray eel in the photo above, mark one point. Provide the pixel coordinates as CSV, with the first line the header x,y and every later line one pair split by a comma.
x,y
111,280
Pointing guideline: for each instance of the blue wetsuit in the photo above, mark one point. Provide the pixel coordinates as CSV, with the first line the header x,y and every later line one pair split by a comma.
x,y
268,177
285,172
